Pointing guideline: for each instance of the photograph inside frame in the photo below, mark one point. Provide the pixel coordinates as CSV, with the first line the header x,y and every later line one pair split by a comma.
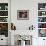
x,y
22,14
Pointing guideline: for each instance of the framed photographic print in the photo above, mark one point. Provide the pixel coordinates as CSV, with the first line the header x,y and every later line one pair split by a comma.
x,y
23,14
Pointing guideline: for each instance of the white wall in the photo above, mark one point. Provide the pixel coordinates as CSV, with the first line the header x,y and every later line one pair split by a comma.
x,y
32,6
24,5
